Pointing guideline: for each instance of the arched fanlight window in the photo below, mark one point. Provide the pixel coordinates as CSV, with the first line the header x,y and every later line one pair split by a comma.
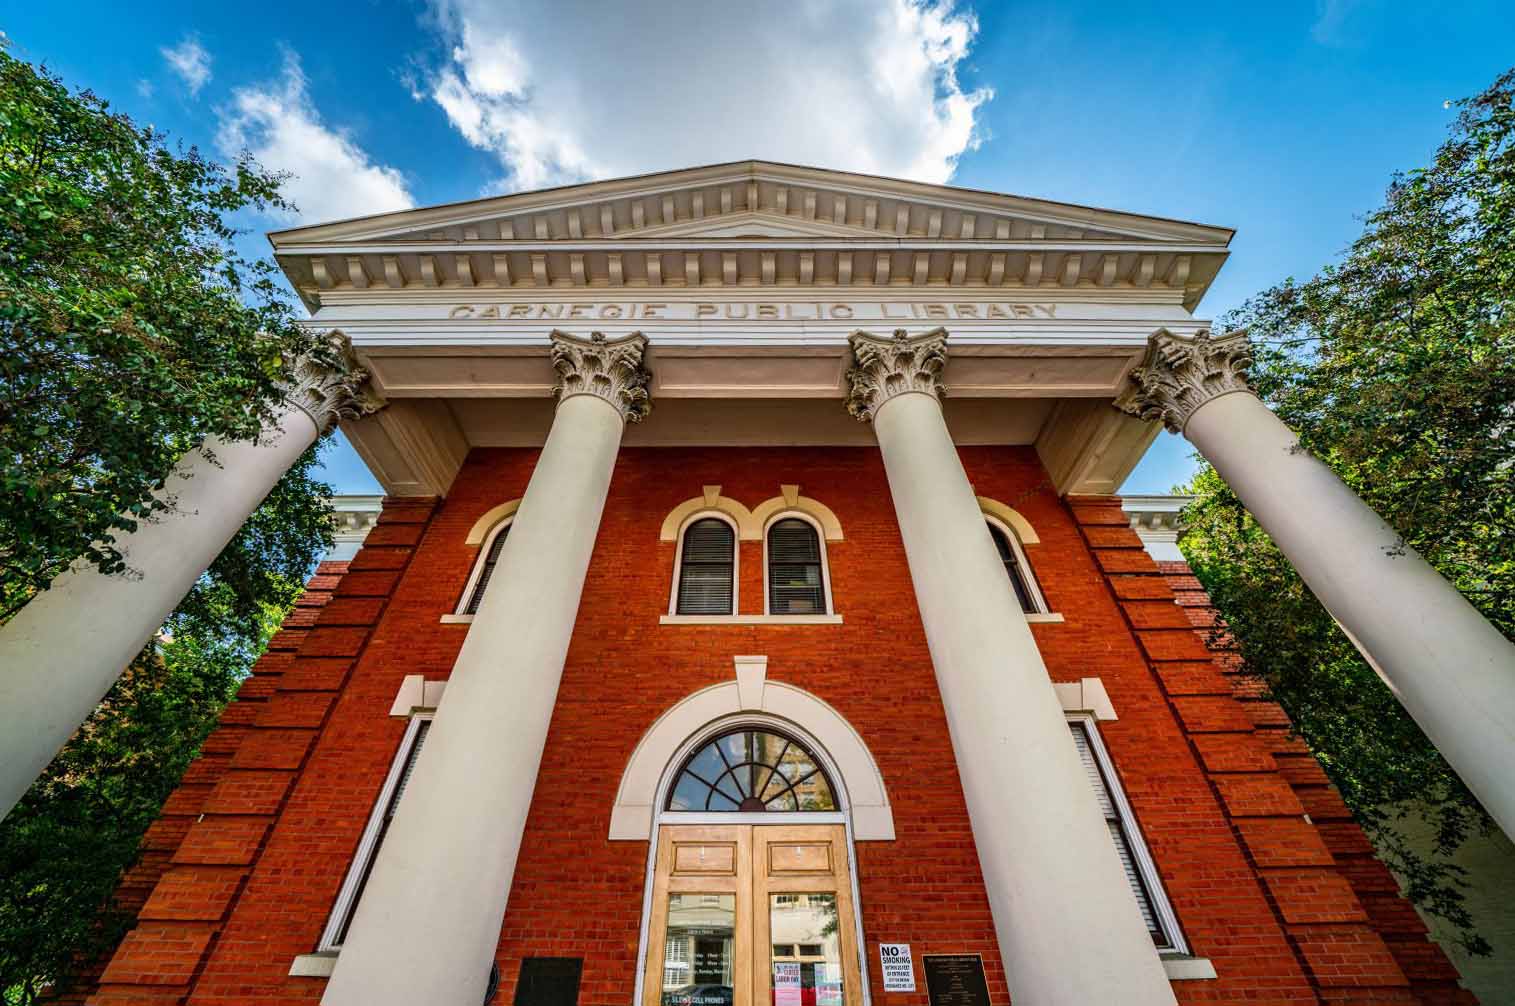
x,y
707,569
796,569
1017,569
752,771
484,570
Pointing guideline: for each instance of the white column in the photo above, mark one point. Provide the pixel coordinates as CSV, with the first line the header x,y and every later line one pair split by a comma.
x,y
1069,930
1453,671
429,920
61,653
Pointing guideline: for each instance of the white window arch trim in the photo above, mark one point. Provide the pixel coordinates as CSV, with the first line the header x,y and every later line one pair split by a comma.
x,y
1162,908
843,815
736,562
1028,575
358,868
830,614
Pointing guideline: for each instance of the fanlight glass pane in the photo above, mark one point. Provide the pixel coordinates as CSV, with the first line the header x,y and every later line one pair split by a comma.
x,y
795,586
752,771
706,567
1013,569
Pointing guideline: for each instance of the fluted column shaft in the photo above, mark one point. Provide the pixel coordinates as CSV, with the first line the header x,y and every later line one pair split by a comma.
x,y
1069,930
428,922
1453,671
61,653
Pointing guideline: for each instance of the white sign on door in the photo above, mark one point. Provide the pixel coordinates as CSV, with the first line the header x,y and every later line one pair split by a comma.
x,y
899,971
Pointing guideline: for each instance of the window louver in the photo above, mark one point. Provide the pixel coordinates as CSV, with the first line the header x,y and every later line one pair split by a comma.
x,y
795,584
490,561
389,814
1013,569
1118,834
706,566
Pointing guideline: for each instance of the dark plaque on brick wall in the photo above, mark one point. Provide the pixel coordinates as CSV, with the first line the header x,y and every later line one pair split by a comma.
x,y
549,981
955,980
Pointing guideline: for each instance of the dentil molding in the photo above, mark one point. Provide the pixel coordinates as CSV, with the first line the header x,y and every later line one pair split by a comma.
x,y
609,369
1180,374
884,368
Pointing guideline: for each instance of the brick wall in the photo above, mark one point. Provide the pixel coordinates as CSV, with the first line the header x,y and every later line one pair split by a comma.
x,y
1243,868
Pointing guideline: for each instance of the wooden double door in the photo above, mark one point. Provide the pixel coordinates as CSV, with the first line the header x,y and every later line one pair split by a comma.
x,y
752,915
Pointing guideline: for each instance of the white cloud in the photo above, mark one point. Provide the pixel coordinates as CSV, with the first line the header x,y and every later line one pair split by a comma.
x,y
567,90
190,61
331,176
145,89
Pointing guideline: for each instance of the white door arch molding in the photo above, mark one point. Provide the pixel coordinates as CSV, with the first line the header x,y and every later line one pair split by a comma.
x,y
858,780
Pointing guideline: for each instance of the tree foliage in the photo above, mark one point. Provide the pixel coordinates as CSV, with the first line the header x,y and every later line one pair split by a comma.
x,y
131,329
1396,366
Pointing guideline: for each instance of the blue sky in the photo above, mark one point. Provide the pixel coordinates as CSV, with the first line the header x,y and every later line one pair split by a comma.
x,y
1282,120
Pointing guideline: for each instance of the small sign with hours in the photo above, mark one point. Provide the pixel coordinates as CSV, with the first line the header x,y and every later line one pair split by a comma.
x,y
899,970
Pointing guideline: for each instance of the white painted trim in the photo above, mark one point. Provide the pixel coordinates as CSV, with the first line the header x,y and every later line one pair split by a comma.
x,y
773,518
821,515
853,768
1011,518
747,529
1178,946
824,757
1044,617
368,842
319,965
754,619
417,695
1183,968
1032,586
455,619
736,560
486,523
1087,697
485,544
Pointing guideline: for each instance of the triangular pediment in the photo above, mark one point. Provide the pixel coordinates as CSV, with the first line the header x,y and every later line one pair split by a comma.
x,y
752,222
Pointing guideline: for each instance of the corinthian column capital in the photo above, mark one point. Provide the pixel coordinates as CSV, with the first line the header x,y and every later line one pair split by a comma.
x,y
609,369
885,368
330,385
1180,374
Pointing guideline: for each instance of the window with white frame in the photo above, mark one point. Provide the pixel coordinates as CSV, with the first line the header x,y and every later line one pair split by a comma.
x,y
705,582
1141,872
1017,568
796,572
373,834
483,569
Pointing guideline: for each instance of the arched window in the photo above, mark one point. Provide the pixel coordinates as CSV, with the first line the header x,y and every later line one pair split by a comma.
x,y
796,569
707,569
752,771
483,570
1016,567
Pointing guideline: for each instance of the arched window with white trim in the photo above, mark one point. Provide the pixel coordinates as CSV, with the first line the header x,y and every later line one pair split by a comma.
x,y
484,568
795,571
705,583
1013,558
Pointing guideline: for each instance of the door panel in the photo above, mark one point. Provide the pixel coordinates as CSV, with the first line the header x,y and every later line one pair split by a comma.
x,y
804,928
752,915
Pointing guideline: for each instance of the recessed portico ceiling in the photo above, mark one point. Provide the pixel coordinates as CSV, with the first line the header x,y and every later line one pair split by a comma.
x,y
752,224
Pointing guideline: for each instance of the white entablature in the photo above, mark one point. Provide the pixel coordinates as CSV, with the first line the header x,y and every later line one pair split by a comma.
x,y
753,224
747,280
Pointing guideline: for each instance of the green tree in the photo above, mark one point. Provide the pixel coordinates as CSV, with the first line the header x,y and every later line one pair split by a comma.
x,y
131,329
1397,368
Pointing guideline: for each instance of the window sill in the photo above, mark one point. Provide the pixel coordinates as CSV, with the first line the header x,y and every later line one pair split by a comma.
x,y
1182,968
456,619
319,965
1036,617
750,620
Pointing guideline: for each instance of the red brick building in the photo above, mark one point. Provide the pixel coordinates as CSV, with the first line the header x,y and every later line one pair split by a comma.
x,y
718,695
